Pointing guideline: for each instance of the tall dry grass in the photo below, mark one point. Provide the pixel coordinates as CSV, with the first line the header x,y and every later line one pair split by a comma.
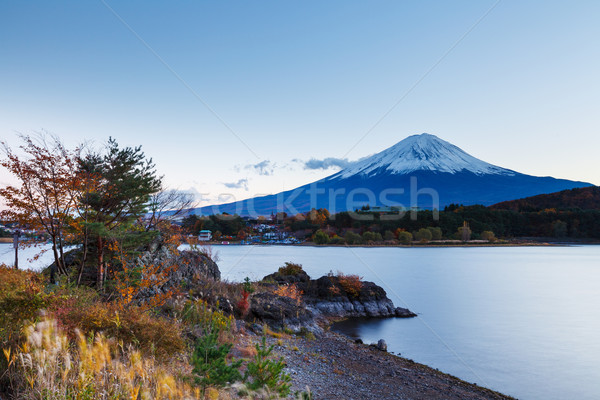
x,y
47,367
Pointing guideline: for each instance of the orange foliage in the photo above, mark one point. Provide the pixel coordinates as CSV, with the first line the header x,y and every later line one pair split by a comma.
x,y
318,217
290,291
21,298
137,279
46,197
350,283
334,290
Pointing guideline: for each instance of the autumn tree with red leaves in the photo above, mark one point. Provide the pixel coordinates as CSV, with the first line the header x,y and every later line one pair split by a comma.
x,y
91,199
44,200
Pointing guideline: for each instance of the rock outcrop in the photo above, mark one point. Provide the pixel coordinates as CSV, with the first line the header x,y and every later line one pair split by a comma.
x,y
279,311
191,265
329,296
183,268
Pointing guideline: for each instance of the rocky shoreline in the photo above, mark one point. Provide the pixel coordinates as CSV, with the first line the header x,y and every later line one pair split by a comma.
x,y
295,312
332,365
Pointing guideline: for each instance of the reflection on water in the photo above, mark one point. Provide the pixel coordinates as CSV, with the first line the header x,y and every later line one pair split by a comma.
x,y
355,327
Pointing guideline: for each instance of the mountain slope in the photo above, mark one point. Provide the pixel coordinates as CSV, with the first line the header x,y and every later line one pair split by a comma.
x,y
420,171
587,198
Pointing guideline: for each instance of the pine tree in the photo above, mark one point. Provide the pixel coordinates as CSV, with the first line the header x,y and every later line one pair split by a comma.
x,y
210,362
126,181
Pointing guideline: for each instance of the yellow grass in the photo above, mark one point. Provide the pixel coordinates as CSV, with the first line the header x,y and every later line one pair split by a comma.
x,y
97,368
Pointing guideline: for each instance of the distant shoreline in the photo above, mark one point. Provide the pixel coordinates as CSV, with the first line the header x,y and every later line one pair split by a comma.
x,y
420,245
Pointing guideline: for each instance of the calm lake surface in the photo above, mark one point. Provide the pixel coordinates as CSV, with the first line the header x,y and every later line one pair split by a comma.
x,y
522,320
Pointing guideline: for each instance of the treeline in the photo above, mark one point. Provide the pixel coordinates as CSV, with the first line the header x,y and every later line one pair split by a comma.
x,y
571,223
364,226
575,223
587,198
221,224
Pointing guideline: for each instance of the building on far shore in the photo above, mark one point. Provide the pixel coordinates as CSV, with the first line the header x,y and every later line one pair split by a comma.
x,y
204,236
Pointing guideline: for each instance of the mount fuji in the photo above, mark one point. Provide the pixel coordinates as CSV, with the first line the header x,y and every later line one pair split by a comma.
x,y
421,171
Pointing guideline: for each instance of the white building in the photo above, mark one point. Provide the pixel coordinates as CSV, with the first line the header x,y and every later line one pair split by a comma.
x,y
204,236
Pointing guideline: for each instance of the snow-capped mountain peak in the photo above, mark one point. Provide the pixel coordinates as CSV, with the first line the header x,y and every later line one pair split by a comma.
x,y
423,152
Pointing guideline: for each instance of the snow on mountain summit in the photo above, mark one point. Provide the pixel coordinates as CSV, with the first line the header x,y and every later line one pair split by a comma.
x,y
423,152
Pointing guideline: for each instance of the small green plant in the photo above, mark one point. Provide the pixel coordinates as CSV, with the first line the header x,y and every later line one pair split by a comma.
x,y
305,333
287,330
247,286
265,372
306,395
210,362
200,313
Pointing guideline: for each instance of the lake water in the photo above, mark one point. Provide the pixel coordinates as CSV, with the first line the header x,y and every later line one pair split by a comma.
x,y
522,320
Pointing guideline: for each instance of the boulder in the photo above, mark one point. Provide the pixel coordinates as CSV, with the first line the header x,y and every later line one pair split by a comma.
x,y
404,313
279,311
381,345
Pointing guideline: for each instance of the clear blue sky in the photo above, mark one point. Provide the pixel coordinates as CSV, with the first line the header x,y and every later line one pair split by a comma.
x,y
302,80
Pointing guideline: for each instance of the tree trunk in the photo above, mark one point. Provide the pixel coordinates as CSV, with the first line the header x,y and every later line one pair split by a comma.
x,y
61,255
56,262
83,258
100,263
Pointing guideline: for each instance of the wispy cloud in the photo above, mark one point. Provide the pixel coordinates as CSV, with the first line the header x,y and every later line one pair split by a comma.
x,y
326,163
264,167
241,184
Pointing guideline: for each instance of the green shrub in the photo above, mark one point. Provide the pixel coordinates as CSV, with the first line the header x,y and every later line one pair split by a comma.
x,y
336,240
210,361
352,238
488,235
290,269
436,233
405,237
372,237
247,286
267,373
423,235
320,237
